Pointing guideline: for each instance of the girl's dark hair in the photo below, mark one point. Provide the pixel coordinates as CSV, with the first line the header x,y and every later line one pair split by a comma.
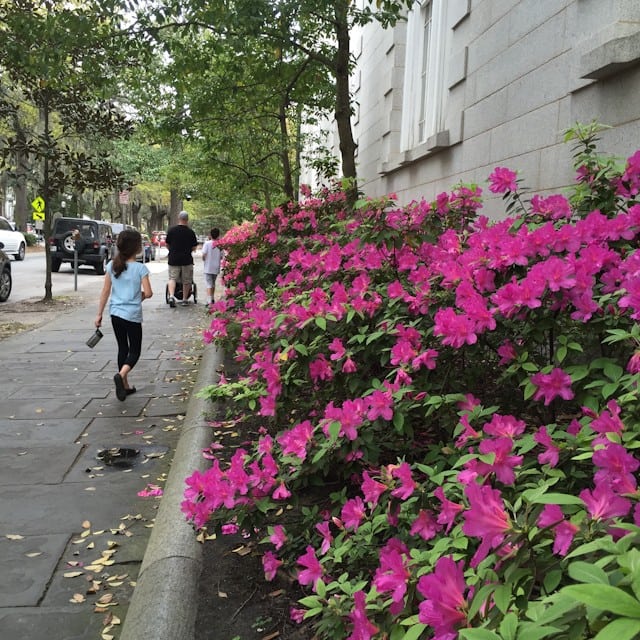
x,y
129,244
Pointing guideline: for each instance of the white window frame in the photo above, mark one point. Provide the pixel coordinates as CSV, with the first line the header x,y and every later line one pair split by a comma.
x,y
423,97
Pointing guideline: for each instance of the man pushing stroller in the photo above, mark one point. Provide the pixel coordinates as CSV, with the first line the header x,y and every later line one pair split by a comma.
x,y
182,242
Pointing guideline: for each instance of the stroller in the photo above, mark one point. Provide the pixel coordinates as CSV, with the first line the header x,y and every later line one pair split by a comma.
x,y
179,292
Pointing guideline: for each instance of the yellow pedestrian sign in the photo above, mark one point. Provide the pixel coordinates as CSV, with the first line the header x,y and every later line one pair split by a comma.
x,y
38,208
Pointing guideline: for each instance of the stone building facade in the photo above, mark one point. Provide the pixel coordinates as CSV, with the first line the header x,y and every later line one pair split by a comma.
x,y
463,86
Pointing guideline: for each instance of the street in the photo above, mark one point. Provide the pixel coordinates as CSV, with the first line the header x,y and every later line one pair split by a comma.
x,y
29,276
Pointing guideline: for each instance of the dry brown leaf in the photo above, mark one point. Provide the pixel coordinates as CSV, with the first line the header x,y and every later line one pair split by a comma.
x,y
77,598
86,525
106,598
85,534
222,594
91,545
33,554
271,636
275,594
72,574
14,536
95,568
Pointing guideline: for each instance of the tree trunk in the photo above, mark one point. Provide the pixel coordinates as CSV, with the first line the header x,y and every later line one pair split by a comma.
x,y
21,208
284,150
343,96
176,203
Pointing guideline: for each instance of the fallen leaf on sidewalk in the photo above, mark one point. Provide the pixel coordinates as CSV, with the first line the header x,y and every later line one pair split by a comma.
x,y
14,536
77,598
73,574
33,554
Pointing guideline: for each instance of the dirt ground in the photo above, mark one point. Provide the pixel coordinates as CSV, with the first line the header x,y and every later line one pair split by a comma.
x,y
235,601
25,315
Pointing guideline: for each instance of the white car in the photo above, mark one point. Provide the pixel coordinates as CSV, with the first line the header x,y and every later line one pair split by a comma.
x,y
14,242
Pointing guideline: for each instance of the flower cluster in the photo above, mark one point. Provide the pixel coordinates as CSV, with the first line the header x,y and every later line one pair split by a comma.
x,y
469,386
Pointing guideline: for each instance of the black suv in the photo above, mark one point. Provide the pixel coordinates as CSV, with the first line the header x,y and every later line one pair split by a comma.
x,y
91,238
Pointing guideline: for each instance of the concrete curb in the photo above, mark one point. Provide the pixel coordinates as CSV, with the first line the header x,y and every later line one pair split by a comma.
x,y
164,602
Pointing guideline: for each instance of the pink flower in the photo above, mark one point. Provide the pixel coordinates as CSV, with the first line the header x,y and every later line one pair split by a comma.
x,y
485,518
503,463
507,352
552,385
425,525
294,442
363,629
151,491
230,529
446,604
313,569
502,180
564,530
380,405
448,509
468,432
603,504
349,366
323,529
633,366
617,467
504,426
551,453
278,537
297,615
270,564
393,574
281,492
353,513
337,349
407,485
372,489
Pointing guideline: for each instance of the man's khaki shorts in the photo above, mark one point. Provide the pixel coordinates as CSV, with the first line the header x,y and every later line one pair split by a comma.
x,y
181,273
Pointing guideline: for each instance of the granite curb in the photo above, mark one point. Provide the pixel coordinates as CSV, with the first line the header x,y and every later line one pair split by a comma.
x,y
164,602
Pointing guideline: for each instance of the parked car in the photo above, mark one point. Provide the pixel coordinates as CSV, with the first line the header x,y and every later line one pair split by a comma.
x,y
158,238
93,240
5,275
148,250
13,240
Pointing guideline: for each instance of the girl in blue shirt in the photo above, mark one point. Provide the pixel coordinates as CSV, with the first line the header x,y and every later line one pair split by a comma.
x,y
127,284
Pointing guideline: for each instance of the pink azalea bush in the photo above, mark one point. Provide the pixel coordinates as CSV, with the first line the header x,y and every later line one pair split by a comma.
x,y
447,407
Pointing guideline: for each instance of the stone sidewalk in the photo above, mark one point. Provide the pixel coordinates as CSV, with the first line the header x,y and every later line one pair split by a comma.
x,y
73,529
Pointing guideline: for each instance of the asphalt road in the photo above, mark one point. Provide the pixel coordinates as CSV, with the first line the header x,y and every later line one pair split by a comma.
x,y
30,274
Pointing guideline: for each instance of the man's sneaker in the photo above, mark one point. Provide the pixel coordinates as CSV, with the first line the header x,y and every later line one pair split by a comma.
x,y
172,302
184,303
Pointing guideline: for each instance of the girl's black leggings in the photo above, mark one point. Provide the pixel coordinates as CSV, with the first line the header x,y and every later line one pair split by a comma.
x,y
129,338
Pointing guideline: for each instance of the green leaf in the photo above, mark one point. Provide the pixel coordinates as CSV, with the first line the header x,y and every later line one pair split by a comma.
x,y
605,597
552,580
415,632
301,348
529,631
557,498
502,597
321,323
478,634
620,629
508,626
587,572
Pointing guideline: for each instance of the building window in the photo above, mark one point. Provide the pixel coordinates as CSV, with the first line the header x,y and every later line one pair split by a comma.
x,y
423,101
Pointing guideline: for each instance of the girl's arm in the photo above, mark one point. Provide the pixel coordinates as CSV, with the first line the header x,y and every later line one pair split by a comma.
x,y
104,296
146,288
